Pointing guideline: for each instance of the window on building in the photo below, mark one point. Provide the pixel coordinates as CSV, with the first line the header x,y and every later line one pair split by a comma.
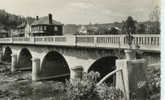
x,y
38,28
45,28
55,28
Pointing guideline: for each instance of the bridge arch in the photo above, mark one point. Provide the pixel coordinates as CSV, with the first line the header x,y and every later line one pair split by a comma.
x,y
54,65
7,54
104,66
24,59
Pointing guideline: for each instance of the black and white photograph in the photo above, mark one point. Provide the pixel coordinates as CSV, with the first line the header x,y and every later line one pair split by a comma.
x,y
80,49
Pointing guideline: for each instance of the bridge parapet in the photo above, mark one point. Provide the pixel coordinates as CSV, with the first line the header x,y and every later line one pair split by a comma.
x,y
5,40
55,40
23,40
147,42
113,41
85,40
141,41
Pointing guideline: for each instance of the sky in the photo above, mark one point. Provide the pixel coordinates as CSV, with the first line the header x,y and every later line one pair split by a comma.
x,y
82,11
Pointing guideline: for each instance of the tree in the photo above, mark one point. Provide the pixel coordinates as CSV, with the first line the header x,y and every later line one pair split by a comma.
x,y
130,25
154,17
129,29
141,29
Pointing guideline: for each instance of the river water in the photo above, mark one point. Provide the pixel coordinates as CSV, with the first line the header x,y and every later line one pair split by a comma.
x,y
18,86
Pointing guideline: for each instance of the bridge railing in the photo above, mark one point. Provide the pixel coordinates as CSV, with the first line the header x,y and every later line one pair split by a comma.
x,y
145,42
111,41
85,40
103,41
23,40
5,40
108,41
141,41
55,40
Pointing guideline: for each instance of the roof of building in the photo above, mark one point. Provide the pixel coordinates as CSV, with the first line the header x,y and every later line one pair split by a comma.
x,y
45,21
117,28
93,28
23,25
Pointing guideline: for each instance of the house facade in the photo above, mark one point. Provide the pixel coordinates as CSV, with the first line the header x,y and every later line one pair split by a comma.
x,y
3,33
20,30
23,30
46,26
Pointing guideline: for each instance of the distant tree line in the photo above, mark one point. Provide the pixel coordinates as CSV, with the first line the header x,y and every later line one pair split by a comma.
x,y
128,26
10,21
152,26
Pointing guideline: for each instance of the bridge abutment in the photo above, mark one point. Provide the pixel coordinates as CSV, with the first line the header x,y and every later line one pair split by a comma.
x,y
133,76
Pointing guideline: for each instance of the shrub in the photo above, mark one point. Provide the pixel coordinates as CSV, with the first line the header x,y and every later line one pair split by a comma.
x,y
86,89
154,81
150,87
109,93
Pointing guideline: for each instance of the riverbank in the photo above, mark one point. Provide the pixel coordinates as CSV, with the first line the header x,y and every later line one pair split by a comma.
x,y
18,86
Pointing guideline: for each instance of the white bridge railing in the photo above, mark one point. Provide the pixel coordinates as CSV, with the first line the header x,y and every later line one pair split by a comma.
x,y
143,41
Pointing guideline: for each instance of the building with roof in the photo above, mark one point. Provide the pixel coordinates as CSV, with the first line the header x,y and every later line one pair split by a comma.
x,y
87,30
46,26
82,30
22,30
113,30
3,32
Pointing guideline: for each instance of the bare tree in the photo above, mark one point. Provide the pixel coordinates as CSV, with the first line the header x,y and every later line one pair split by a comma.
x,y
155,15
155,19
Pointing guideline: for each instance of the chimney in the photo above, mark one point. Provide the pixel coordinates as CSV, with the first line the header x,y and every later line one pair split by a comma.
x,y
50,18
37,18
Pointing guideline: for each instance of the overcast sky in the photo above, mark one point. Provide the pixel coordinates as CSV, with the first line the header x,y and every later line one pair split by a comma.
x,y
82,11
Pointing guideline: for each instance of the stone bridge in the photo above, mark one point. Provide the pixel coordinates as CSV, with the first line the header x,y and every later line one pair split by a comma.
x,y
55,56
